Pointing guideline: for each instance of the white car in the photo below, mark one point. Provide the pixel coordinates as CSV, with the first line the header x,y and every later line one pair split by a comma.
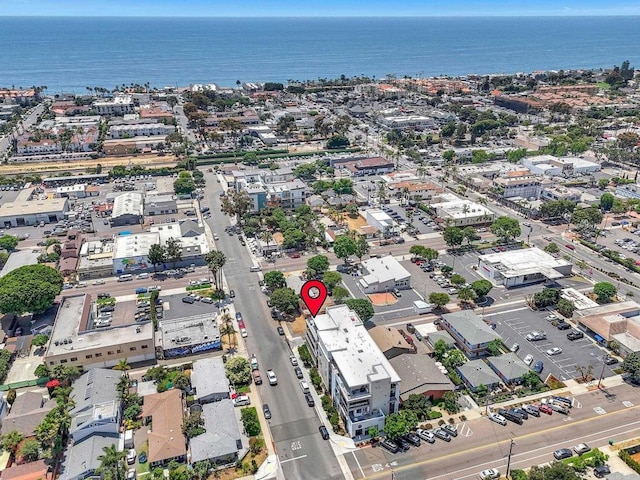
x,y
293,360
554,351
99,282
154,287
273,379
496,417
490,473
581,448
243,332
550,317
131,456
528,360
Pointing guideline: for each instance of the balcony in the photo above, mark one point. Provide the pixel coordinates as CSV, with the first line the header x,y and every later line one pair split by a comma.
x,y
373,414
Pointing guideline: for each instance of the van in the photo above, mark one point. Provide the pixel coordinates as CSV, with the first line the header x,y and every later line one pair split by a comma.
x,y
241,401
188,300
125,278
142,276
304,386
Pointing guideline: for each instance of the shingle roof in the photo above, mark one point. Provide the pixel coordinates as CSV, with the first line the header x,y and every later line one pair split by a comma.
x,y
96,387
82,457
471,327
26,413
222,437
476,372
509,365
208,377
166,440
419,374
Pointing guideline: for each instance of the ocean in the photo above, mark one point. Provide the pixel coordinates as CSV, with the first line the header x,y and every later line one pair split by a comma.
x,y
67,54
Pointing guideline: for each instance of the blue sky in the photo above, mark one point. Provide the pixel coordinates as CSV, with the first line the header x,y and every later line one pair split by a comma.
x,y
262,8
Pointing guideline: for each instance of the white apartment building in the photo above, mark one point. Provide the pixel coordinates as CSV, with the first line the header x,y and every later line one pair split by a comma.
x,y
140,130
462,213
119,105
363,385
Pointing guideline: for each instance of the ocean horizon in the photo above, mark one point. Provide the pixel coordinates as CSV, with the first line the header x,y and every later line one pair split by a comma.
x,y
67,54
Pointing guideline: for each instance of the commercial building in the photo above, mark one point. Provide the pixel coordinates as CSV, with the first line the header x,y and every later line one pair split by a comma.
x,y
554,192
520,267
75,341
362,384
523,186
146,129
32,212
463,213
550,165
189,335
163,413
160,205
366,166
381,275
471,334
628,191
270,188
613,324
128,209
378,219
404,122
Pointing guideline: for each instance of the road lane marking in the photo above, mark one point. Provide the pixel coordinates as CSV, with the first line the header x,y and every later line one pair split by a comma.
x,y
296,445
292,459
599,410
627,404
358,463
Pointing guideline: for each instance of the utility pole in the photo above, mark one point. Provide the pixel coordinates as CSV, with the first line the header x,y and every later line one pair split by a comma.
x,y
509,457
604,359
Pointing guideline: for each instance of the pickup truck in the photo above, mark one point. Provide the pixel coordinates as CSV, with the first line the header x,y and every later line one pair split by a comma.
x,y
257,378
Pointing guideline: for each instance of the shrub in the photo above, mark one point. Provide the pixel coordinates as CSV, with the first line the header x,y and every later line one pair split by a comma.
x,y
305,355
441,422
433,414
249,417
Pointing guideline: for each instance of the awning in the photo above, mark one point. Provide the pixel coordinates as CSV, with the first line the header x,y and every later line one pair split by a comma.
x,y
598,338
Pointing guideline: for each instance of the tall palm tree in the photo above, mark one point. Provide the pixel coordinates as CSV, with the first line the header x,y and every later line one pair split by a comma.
x,y
227,326
266,237
112,465
215,261
123,366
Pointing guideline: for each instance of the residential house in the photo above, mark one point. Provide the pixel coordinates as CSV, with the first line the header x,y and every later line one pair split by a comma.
x,y
391,342
209,380
470,332
221,443
38,470
28,410
420,376
476,373
163,413
509,367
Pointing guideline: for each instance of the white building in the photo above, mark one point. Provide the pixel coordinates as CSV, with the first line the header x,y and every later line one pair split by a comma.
x,y
402,122
524,186
520,267
462,213
381,275
557,192
140,130
378,219
119,105
363,385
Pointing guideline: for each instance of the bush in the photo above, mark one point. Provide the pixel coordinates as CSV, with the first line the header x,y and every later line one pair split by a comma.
x,y
628,459
249,417
305,355
433,414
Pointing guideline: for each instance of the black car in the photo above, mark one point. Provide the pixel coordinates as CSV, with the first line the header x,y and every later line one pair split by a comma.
x,y
266,411
403,445
280,331
324,432
298,371
609,360
389,445
108,308
309,398
413,439
442,434
575,335
451,430
532,410
104,295
521,412
601,470
232,294
563,326
509,415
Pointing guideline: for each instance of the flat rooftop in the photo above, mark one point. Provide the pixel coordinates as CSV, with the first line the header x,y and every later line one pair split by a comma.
x,y
356,355
70,331
189,331
463,209
33,207
514,263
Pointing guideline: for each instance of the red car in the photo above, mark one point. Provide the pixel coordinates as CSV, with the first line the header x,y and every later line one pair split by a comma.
x,y
295,255
545,409
570,247
241,324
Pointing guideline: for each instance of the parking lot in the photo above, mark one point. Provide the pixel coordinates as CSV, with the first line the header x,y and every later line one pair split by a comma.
x,y
513,325
420,218
175,308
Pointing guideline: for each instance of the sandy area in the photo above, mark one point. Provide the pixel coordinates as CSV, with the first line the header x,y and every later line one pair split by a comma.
x,y
82,165
381,299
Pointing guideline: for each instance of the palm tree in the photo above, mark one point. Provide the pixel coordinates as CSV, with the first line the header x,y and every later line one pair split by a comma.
x,y
227,328
266,237
215,261
112,464
124,367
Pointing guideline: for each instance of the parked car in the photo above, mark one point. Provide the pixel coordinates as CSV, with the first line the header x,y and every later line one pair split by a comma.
x,y
324,432
389,445
563,326
309,398
489,474
496,417
280,331
140,290
451,430
609,360
538,367
528,359
426,435
273,379
554,351
403,445
575,335
581,448
298,372
536,336
413,439
562,453
442,434
515,347
531,410
601,470
131,456
546,409
266,410
293,360
521,412
188,300
131,474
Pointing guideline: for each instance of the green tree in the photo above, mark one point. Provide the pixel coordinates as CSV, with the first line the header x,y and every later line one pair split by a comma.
x,y
8,242
453,236
275,279
418,251
29,451
337,142
10,441
11,396
30,288
236,204
342,186
41,371
565,307
553,471
317,265
331,279
631,364
605,291
450,402
606,201
530,379
494,347
363,307
418,404
339,294
454,359
157,255
285,300
250,421
482,287
551,248
506,228
112,465
184,184
440,349
457,279
215,261
293,238
466,294
470,234
40,340
546,298
395,425
344,246
238,371
193,423
250,158
586,217
362,247
438,299
174,251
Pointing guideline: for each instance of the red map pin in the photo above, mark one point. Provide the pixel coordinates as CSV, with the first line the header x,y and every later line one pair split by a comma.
x,y
314,293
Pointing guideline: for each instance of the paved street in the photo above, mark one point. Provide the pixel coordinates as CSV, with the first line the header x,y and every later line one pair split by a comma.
x,y
294,426
597,417
5,142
